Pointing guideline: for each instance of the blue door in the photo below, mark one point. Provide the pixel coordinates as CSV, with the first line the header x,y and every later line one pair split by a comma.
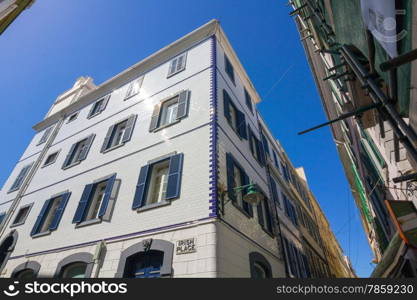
x,y
145,264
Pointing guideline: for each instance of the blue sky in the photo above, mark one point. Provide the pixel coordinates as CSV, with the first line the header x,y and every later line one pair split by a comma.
x,y
55,42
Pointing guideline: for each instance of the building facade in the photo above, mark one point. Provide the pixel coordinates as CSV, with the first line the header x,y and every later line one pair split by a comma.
x,y
10,10
137,177
365,77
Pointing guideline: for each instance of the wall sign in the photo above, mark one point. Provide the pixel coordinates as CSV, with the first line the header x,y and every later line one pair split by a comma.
x,y
186,246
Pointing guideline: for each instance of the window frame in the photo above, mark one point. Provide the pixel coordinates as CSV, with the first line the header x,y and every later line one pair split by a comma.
x,y
29,208
175,59
237,127
75,115
45,164
28,167
89,141
126,136
228,67
128,94
248,100
111,200
258,258
45,135
104,100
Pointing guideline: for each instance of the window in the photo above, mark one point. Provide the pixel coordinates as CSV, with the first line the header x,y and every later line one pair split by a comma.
x,y
45,135
170,111
235,118
97,201
144,265
260,268
134,87
72,117
177,64
237,177
50,159
19,179
50,214
98,106
256,148
158,182
74,270
22,215
274,191
78,152
276,161
27,274
119,134
248,101
264,216
265,143
290,210
229,69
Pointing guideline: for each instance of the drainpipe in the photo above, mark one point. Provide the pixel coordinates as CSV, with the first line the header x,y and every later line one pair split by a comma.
x,y
30,175
98,258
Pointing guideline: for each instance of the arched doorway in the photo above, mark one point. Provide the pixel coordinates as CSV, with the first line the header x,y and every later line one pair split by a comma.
x,y
7,247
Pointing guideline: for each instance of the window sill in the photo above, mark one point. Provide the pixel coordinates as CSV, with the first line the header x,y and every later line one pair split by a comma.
x,y
88,222
113,147
71,165
175,73
17,224
14,190
152,206
51,163
92,116
242,210
267,232
48,232
166,126
131,96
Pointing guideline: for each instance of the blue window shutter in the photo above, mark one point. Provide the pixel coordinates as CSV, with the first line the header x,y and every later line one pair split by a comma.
x,y
107,195
141,187
129,128
230,176
41,217
182,104
275,160
174,176
241,125
274,191
265,143
107,139
45,135
82,205
226,103
19,179
260,214
69,155
83,154
246,206
59,211
248,101
261,152
155,117
250,138
268,216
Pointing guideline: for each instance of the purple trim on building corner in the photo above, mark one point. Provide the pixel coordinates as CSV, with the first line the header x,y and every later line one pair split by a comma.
x,y
213,196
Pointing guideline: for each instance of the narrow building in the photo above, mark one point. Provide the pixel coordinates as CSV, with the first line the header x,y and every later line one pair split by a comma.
x,y
164,170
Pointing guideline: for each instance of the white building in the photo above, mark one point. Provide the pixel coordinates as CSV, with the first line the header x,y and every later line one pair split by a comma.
x,y
133,178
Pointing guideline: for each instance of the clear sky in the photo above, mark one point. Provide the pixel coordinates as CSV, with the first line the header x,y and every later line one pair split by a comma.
x,y
54,42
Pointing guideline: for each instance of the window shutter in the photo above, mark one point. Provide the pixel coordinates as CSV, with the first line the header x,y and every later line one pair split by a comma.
x,y
69,155
141,187
241,124
82,205
261,152
182,104
129,128
250,138
260,214
107,139
174,176
172,67
45,135
107,194
59,211
155,117
230,175
19,179
265,143
181,63
274,191
104,104
268,216
226,102
41,217
83,154
246,206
